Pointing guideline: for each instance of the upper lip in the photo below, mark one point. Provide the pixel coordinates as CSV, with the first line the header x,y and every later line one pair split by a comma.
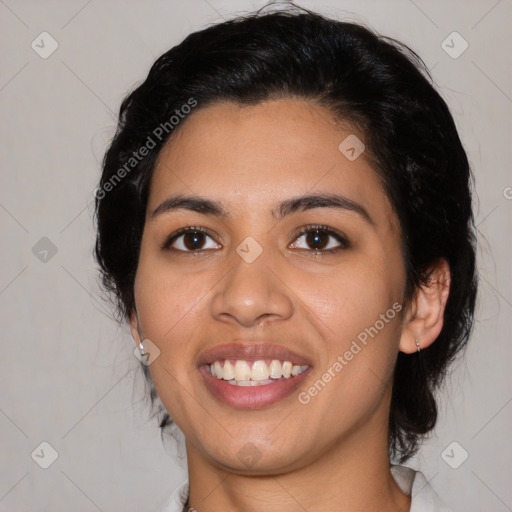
x,y
251,351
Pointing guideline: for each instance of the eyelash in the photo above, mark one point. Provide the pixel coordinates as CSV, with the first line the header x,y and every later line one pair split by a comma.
x,y
342,239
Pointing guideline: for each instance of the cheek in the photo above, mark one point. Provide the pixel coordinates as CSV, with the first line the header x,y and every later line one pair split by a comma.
x,y
170,310
358,312
354,296
167,299
361,331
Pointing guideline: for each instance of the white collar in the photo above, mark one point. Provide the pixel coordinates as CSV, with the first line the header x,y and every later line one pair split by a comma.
x,y
412,483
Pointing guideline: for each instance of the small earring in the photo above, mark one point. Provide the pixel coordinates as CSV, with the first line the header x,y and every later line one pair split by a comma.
x,y
417,344
141,348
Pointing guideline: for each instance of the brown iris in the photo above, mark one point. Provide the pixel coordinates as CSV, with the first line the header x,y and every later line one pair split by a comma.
x,y
193,240
314,239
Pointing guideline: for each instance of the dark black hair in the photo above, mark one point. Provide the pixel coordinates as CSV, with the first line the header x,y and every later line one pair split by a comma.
x,y
372,82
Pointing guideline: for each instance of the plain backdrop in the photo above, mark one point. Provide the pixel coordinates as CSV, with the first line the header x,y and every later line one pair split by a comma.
x,y
69,377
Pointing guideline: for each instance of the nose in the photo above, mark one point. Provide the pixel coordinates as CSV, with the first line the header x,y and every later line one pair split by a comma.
x,y
252,293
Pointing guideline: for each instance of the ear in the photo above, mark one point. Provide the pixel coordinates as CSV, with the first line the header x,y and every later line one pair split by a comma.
x,y
135,327
424,318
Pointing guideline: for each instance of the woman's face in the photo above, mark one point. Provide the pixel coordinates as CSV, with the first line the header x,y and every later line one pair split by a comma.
x,y
328,300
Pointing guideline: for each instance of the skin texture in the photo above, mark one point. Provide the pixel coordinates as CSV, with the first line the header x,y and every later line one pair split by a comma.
x,y
330,454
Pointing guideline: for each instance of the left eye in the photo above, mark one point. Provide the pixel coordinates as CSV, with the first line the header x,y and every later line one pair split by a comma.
x,y
191,240
319,239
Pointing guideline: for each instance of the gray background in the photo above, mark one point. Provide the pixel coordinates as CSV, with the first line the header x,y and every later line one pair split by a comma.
x,y
69,377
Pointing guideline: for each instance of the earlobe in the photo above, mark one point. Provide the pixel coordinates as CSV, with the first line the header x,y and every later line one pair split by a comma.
x,y
425,317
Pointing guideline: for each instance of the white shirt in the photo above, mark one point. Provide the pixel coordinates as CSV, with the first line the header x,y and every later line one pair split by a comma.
x,y
412,483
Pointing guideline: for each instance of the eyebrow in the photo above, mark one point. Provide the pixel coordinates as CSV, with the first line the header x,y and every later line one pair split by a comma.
x,y
287,207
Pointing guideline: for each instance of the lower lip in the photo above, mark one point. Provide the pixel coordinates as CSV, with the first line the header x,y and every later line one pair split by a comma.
x,y
251,397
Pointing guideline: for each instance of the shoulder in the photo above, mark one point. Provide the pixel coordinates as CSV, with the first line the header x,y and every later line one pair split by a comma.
x,y
177,499
414,484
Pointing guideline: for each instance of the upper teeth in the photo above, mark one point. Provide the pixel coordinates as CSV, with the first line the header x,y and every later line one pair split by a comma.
x,y
260,371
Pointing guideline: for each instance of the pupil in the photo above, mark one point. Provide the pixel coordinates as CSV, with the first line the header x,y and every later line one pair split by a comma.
x,y
192,240
314,238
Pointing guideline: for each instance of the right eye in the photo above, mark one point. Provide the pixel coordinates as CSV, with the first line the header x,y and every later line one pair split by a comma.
x,y
190,239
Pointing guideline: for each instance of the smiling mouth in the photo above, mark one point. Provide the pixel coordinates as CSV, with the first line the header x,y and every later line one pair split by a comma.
x,y
241,372
252,375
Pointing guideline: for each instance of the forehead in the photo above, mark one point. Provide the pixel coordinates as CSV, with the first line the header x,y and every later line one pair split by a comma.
x,y
253,156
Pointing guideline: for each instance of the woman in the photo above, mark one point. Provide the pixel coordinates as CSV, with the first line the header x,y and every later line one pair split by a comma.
x,y
284,217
